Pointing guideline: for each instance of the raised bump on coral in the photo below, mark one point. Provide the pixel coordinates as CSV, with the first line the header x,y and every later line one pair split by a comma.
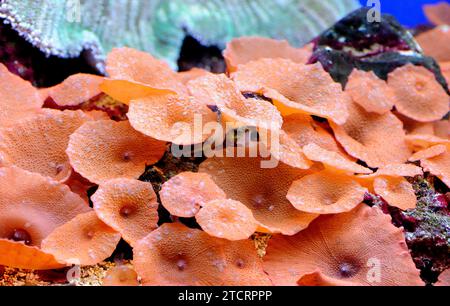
x,y
128,206
104,150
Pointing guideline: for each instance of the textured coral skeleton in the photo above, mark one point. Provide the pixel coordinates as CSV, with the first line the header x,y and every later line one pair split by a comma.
x,y
160,26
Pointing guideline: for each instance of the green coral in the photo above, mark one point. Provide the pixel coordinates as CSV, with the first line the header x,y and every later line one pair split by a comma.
x,y
66,27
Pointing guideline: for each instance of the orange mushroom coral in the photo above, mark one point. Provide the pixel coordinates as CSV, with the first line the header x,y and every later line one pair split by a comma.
x,y
367,90
135,74
39,144
104,150
424,141
445,68
172,118
220,91
18,98
75,90
326,192
295,88
227,219
186,76
121,276
332,159
438,13
438,166
299,130
428,153
20,256
376,139
263,191
337,246
389,183
417,94
176,255
444,279
184,194
435,43
84,240
242,50
31,207
128,206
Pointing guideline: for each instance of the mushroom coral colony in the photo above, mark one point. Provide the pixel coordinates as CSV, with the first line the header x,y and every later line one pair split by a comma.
x,y
305,155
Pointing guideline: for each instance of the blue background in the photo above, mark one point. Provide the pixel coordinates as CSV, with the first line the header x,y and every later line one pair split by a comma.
x,y
408,12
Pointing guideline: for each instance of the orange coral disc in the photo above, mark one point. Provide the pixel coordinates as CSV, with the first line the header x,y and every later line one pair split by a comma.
x,y
75,90
397,170
227,219
444,279
285,148
337,246
128,206
317,279
298,131
121,276
370,92
176,255
85,240
135,74
428,153
417,94
261,190
439,166
32,206
184,194
435,43
376,139
39,144
246,49
104,150
305,89
438,13
424,141
18,98
171,118
79,185
326,192
333,159
20,256
195,73
220,91
396,191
